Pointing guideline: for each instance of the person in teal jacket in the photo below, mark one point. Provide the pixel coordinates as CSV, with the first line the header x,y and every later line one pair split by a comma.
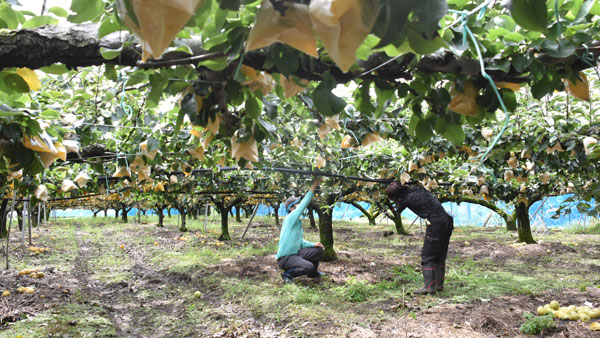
x,y
297,256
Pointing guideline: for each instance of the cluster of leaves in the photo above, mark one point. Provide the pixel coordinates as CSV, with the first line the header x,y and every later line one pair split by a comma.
x,y
535,325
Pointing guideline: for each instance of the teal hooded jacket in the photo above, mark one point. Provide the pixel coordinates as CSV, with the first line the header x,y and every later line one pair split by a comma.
x,y
290,237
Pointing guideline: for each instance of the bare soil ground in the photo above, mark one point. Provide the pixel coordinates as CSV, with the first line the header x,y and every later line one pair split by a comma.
x,y
137,280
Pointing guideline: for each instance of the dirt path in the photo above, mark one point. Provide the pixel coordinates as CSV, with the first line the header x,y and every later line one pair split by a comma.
x,y
94,291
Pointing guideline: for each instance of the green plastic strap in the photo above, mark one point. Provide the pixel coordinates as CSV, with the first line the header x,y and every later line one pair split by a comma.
x,y
558,26
493,84
126,108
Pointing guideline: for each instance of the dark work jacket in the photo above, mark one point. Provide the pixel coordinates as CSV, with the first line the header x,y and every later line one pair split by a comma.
x,y
420,201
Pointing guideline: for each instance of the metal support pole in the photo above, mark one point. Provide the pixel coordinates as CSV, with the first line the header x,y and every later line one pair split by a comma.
x,y
23,224
251,218
12,209
29,220
205,216
39,216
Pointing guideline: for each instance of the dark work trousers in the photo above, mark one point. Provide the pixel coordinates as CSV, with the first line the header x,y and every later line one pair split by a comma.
x,y
437,238
305,262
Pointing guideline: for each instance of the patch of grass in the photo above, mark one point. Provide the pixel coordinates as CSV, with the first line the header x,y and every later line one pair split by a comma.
x,y
68,320
354,290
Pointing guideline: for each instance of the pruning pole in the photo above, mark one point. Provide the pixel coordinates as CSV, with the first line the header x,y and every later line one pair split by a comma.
x,y
205,216
12,209
487,219
413,222
538,209
421,225
29,219
251,218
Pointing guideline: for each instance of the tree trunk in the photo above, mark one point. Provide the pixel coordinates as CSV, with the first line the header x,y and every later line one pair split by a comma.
x,y
3,213
20,217
311,218
365,212
96,213
511,222
161,217
117,213
524,227
224,224
182,226
326,233
276,213
105,212
169,212
238,216
397,218
124,214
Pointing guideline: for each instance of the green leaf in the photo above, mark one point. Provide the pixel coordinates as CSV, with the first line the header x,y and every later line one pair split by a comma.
x,y
232,5
423,131
216,64
423,46
521,62
510,99
13,83
110,54
560,49
51,113
253,106
391,20
530,14
455,134
267,125
8,16
108,25
41,20
58,11
157,85
429,13
585,10
56,69
188,106
325,101
86,10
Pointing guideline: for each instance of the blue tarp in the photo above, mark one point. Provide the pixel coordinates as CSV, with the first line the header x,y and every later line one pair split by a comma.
x,y
464,214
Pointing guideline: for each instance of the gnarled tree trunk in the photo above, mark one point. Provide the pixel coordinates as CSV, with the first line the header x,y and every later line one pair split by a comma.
x,y
326,233
365,212
523,224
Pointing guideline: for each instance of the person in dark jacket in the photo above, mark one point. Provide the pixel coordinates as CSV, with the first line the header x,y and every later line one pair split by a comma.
x,y
437,236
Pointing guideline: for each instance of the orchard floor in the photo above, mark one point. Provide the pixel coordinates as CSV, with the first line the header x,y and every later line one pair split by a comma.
x,y
104,278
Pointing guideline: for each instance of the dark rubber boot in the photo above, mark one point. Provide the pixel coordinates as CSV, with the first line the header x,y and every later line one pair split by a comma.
x,y
317,274
288,276
430,282
440,272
